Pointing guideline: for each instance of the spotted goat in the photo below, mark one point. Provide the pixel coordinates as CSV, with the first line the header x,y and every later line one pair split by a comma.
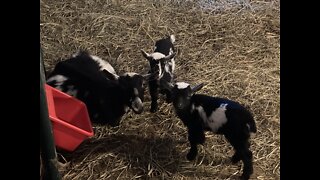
x,y
162,65
94,81
202,113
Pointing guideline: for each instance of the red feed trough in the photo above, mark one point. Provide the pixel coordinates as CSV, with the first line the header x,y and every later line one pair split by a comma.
x,y
70,120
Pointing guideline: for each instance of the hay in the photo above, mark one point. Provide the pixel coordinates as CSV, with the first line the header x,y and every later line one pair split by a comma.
x,y
233,46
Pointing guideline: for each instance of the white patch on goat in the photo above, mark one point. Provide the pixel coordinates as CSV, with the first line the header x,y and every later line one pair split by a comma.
x,y
157,55
72,91
182,85
60,79
172,38
104,65
130,74
216,119
172,63
126,109
166,68
135,92
192,108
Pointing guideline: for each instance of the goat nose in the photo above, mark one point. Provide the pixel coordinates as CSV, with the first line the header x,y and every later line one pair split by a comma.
x,y
180,105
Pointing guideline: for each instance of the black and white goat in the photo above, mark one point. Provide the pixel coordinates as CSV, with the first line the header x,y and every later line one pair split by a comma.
x,y
162,66
94,81
202,113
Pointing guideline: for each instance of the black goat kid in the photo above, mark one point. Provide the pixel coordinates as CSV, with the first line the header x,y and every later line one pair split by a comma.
x,y
202,113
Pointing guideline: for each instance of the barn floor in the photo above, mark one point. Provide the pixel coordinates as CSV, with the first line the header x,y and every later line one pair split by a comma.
x,y
232,45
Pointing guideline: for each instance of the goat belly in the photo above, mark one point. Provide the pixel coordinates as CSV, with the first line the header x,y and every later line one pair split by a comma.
x,y
216,119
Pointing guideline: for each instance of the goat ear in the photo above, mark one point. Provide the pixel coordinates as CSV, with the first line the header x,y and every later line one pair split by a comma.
x,y
168,86
197,87
168,57
146,76
109,75
145,55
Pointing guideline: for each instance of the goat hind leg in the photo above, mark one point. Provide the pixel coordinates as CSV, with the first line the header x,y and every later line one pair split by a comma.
x,y
192,152
247,165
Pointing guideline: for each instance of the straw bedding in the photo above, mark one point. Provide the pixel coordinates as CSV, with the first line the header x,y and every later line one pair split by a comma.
x,y
231,45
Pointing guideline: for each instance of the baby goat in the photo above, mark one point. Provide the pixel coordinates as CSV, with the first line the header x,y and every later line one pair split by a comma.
x,y
202,113
162,66
94,81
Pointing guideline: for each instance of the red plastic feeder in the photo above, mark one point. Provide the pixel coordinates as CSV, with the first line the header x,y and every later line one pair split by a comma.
x,y
70,120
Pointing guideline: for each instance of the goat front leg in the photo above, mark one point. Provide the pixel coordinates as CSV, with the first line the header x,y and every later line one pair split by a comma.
x,y
167,93
168,97
153,88
192,154
195,138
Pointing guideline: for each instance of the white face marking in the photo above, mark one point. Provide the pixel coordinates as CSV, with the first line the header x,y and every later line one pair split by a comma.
x,y
172,38
60,79
182,85
216,119
104,65
130,74
160,70
172,63
157,55
136,104
166,68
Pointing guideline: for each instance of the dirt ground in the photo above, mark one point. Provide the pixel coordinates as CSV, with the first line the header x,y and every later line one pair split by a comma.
x,y
231,45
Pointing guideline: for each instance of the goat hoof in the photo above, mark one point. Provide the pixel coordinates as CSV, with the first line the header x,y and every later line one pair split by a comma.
x,y
244,177
154,107
191,156
153,110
